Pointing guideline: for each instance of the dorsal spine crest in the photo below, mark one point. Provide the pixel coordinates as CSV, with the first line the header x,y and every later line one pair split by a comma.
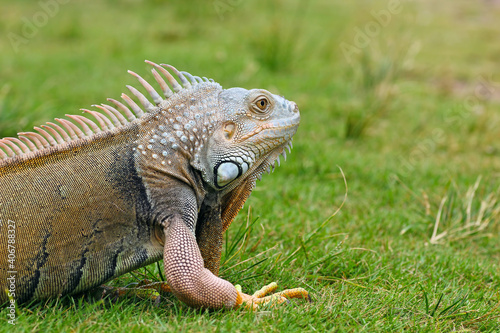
x,y
108,119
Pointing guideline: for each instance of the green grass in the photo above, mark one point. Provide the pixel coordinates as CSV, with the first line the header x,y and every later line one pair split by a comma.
x,y
411,118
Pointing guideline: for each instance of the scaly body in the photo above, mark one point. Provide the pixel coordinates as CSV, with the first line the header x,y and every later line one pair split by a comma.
x,y
91,200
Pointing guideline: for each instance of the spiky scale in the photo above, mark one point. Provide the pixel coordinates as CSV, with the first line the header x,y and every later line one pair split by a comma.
x,y
62,132
46,136
21,144
7,148
80,121
112,115
135,108
149,88
54,134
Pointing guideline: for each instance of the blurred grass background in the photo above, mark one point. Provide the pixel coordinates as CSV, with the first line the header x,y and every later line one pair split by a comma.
x,y
406,104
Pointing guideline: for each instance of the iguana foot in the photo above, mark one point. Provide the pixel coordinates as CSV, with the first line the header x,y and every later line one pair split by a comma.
x,y
144,290
259,298
161,286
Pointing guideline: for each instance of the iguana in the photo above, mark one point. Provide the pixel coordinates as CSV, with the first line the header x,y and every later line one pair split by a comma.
x,y
83,201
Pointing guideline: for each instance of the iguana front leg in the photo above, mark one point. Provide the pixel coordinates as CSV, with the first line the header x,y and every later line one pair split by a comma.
x,y
197,286
190,281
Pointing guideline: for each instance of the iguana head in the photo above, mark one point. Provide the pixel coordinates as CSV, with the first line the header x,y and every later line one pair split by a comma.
x,y
255,128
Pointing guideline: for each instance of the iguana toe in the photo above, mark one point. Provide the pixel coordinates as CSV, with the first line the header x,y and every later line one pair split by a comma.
x,y
261,297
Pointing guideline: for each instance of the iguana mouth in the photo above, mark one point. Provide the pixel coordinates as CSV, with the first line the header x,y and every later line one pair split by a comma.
x,y
280,127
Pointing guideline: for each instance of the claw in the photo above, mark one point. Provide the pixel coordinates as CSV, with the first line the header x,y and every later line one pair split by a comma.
x,y
259,298
265,290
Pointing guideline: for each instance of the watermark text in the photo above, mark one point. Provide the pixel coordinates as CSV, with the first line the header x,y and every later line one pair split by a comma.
x,y
32,25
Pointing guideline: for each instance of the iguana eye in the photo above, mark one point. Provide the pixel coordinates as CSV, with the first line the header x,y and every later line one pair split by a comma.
x,y
262,104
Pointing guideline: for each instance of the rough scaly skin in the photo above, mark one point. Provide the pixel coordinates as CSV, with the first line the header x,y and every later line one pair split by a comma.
x,y
92,199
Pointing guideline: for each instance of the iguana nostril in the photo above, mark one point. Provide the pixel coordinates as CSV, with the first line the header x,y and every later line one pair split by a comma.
x,y
294,107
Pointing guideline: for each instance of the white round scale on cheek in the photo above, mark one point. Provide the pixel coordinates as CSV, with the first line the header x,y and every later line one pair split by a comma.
x,y
226,173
